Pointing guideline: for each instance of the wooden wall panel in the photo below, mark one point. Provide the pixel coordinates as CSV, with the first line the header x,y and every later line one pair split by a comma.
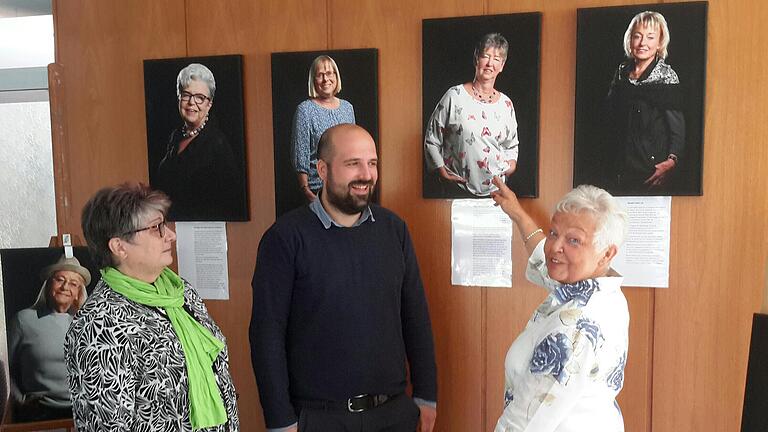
x,y
100,47
719,241
254,29
689,343
395,29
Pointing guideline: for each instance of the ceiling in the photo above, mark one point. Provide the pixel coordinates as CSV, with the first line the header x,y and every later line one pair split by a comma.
x,y
22,8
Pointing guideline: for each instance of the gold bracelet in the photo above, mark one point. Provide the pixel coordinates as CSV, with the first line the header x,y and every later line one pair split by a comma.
x,y
529,236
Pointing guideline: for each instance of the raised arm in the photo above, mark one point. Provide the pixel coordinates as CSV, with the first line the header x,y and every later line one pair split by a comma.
x,y
529,231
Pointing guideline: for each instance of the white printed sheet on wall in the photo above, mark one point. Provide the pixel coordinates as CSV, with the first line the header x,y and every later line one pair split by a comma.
x,y
643,260
201,248
481,244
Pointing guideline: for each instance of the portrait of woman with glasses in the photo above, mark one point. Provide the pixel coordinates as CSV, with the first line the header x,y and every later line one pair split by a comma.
x,y
38,384
143,353
198,169
313,116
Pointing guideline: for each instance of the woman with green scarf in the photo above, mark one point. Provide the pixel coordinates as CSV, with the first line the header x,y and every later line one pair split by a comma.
x,y
143,354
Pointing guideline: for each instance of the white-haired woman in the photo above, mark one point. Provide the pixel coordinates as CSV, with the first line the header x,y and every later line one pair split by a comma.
x,y
564,370
199,171
472,133
645,106
39,388
143,354
321,111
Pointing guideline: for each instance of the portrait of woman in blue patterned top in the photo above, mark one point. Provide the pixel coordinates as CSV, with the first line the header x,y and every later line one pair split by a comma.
x,y
564,371
313,116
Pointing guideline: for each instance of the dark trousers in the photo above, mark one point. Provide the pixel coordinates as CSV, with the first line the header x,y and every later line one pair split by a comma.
x,y
397,415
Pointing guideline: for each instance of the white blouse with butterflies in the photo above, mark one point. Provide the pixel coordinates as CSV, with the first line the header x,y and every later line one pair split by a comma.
x,y
472,139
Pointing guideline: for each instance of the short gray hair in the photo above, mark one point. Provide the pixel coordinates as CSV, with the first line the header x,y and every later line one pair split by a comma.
x,y
115,212
610,218
492,40
195,72
648,19
313,70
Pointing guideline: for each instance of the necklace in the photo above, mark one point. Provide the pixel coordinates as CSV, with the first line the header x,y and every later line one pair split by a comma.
x,y
483,97
186,133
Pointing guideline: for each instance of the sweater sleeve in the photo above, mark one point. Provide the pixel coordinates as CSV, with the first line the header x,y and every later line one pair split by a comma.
x,y
417,328
435,134
511,144
14,362
272,289
536,272
676,124
301,144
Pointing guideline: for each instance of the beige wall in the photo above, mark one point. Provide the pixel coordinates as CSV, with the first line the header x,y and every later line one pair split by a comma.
x,y
689,343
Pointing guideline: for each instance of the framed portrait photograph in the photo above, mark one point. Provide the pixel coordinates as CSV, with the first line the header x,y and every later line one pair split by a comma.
x,y
311,92
42,290
640,79
480,84
195,136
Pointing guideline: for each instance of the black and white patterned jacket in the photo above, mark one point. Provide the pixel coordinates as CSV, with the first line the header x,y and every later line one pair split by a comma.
x,y
126,366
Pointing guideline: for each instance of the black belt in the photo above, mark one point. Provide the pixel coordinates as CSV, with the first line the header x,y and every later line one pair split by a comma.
x,y
355,404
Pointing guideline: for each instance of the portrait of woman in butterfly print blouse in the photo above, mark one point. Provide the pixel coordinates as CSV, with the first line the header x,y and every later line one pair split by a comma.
x,y
471,135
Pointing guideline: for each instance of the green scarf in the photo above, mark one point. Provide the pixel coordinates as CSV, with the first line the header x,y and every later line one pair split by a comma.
x,y
200,346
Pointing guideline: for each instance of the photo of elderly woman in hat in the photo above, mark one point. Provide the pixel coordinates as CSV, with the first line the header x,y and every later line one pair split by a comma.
x,y
38,382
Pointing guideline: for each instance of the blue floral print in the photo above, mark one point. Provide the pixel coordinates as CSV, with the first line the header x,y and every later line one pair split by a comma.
x,y
580,292
590,329
551,355
508,397
616,377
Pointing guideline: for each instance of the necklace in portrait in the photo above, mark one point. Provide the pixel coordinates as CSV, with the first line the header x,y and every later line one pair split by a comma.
x,y
186,133
484,97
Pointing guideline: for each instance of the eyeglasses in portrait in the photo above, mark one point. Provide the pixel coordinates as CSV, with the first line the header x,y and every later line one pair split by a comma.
x,y
640,77
481,78
42,291
195,136
311,92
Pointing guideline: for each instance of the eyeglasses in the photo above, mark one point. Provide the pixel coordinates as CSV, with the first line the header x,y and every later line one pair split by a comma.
x,y
323,75
69,283
196,98
160,228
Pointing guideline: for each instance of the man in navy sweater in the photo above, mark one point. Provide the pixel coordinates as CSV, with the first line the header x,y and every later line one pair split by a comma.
x,y
339,306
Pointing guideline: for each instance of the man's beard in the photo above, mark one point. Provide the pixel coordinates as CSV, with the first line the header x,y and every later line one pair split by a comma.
x,y
348,203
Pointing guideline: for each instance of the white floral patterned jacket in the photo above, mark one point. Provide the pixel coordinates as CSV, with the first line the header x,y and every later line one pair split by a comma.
x,y
565,369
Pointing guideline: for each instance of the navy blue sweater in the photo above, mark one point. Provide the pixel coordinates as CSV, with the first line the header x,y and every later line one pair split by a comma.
x,y
336,313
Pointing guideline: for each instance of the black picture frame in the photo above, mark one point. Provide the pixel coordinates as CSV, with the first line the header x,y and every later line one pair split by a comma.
x,y
448,60
22,283
226,115
290,71
600,35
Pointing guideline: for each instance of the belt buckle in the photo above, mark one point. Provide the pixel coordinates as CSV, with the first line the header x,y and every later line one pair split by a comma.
x,y
349,403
